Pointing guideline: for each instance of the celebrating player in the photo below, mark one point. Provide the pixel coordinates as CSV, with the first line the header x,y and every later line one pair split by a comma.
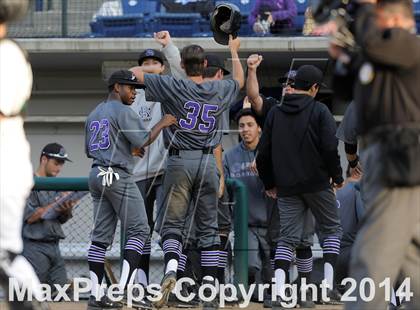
x,y
191,169
113,131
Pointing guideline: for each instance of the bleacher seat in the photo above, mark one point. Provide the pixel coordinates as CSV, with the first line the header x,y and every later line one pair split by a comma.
x,y
136,16
135,7
299,20
118,26
416,4
178,24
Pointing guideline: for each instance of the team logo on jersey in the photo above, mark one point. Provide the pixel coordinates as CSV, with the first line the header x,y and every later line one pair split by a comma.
x,y
145,113
366,73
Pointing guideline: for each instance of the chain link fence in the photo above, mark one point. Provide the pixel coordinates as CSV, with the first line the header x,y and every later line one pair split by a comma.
x,y
56,18
77,230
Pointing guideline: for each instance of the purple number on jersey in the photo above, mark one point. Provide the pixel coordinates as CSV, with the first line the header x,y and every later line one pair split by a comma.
x,y
96,127
208,121
191,120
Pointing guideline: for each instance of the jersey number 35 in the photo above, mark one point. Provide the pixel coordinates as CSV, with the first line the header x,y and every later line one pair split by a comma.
x,y
197,111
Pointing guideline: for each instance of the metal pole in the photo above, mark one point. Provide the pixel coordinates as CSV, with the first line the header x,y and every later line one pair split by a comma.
x,y
241,232
64,16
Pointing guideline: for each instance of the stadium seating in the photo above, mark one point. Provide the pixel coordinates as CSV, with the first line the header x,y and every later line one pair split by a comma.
x,y
299,20
143,17
178,24
118,26
416,4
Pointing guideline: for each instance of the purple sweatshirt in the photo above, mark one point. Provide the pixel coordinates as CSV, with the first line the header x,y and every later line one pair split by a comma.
x,y
280,10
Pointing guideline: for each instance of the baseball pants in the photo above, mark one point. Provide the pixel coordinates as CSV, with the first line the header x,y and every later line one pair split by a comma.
x,y
292,210
388,242
191,175
152,191
122,200
46,259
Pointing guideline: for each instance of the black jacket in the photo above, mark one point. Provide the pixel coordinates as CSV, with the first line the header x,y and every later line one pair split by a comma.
x,y
387,88
298,152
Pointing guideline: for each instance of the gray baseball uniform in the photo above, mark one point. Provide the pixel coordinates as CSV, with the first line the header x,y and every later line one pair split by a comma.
x,y
112,130
191,170
41,240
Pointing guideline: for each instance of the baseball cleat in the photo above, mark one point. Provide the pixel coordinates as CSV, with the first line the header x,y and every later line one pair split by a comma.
x,y
104,303
167,285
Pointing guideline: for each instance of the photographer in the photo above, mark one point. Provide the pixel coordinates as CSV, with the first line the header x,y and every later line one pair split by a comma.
x,y
387,97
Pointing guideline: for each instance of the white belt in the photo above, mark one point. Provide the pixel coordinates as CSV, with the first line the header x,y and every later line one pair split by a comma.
x,y
107,176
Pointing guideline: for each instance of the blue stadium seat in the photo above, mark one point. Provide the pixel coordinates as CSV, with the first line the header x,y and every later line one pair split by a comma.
x,y
416,4
134,7
117,26
299,20
178,24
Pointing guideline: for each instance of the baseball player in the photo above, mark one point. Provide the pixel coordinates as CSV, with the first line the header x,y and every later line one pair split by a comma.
x,y
305,162
262,105
113,133
41,236
191,169
214,71
148,171
16,181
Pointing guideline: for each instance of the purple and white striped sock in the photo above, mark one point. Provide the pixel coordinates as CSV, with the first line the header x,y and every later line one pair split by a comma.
x,y
96,260
134,244
182,263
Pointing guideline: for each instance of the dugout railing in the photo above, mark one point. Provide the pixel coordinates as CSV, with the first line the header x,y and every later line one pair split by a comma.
x,y
74,247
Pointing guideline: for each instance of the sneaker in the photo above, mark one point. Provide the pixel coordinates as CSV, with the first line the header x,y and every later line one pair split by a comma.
x,y
104,303
166,287
210,305
334,296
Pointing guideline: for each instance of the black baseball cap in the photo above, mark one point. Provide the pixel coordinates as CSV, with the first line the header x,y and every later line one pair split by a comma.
x,y
124,77
288,76
55,150
151,53
308,75
216,61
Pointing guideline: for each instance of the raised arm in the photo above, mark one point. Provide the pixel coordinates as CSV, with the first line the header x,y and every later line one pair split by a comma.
x,y
252,86
171,53
237,70
138,72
